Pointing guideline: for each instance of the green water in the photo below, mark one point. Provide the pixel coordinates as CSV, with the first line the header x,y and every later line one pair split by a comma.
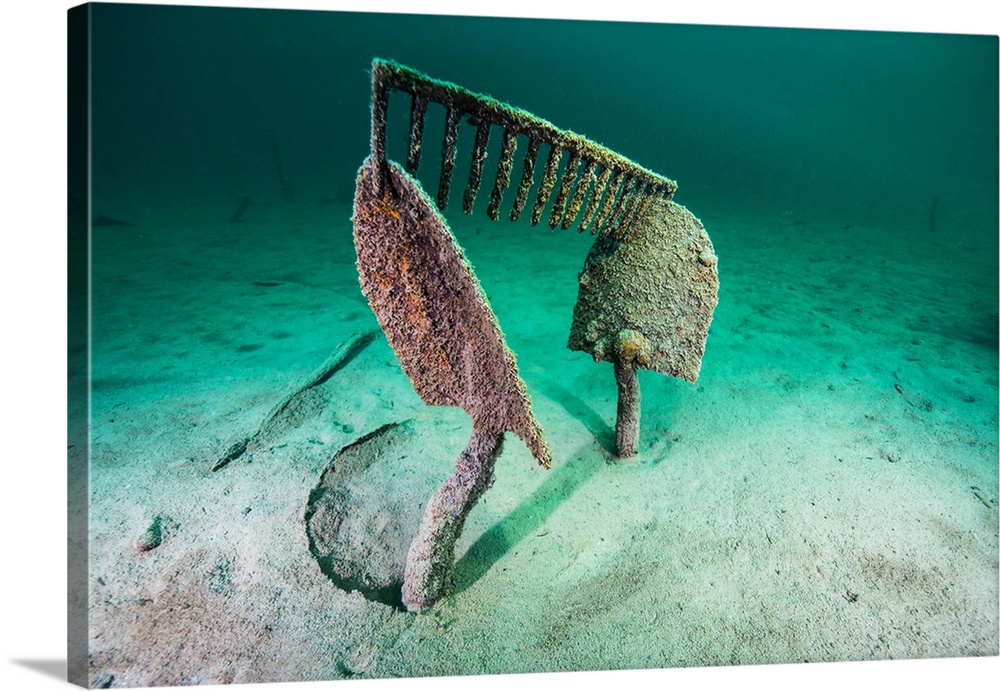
x,y
841,438
874,124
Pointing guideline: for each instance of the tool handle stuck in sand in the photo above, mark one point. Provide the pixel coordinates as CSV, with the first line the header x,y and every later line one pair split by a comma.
x,y
627,423
440,325
429,560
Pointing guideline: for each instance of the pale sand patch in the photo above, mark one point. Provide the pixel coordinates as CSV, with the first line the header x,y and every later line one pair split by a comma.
x,y
841,441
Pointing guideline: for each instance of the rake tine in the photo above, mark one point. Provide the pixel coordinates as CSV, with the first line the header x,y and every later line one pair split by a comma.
x,y
569,175
503,173
615,213
476,169
586,178
595,198
380,104
631,208
628,207
651,193
448,155
417,110
527,172
605,208
548,179
608,204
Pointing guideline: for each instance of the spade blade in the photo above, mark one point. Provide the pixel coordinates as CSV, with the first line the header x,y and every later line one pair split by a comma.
x,y
432,308
648,299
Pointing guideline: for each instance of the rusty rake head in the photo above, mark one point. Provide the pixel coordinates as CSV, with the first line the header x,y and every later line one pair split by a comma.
x,y
618,188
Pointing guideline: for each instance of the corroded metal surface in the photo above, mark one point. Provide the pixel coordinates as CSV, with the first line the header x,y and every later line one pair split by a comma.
x,y
647,301
433,310
612,213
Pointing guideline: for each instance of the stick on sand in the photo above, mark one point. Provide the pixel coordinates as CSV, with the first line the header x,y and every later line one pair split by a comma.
x,y
343,355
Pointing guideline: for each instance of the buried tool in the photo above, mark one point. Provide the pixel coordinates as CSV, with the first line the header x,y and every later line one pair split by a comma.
x,y
437,318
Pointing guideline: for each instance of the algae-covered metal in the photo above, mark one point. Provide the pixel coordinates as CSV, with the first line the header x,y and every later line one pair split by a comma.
x,y
646,293
433,311
646,302
616,193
